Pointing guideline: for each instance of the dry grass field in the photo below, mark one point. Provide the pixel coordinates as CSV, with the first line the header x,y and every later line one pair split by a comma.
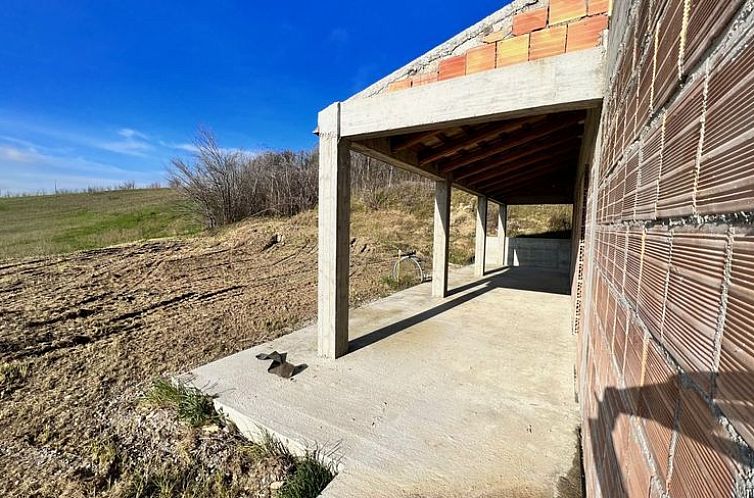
x,y
84,334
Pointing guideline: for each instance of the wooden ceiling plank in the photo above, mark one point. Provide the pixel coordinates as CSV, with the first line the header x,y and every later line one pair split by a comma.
x,y
523,166
400,143
533,184
479,172
522,137
474,138
562,155
534,172
567,160
545,199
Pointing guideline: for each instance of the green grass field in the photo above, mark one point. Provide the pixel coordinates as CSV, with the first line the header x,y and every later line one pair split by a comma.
x,y
54,224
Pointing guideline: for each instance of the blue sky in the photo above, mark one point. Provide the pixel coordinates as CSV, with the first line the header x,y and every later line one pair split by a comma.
x,y
100,92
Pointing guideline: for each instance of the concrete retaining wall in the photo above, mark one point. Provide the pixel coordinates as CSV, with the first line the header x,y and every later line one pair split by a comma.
x,y
554,254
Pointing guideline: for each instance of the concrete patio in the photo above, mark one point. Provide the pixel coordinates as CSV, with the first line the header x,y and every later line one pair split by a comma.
x,y
472,395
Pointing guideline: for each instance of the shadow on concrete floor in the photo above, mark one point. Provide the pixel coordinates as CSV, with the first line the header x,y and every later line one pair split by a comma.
x,y
519,278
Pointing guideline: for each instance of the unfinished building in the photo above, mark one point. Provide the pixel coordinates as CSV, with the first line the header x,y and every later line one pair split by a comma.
x,y
639,113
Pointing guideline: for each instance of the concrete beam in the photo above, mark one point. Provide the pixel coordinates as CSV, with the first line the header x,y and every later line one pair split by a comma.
x,y
334,235
502,231
441,245
379,148
480,242
554,84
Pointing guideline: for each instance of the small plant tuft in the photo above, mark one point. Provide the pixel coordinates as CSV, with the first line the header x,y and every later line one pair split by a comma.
x,y
12,375
106,460
404,282
310,477
192,406
273,448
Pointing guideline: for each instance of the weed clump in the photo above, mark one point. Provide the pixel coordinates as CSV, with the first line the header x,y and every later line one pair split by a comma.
x,y
12,376
310,477
191,405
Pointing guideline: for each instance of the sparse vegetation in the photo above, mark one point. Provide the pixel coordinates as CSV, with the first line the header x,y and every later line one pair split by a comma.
x,y
192,406
227,186
539,220
304,477
404,282
310,477
12,375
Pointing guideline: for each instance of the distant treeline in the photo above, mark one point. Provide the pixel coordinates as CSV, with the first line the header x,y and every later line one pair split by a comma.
x,y
129,185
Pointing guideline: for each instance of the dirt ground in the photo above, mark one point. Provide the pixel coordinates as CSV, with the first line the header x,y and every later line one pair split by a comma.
x,y
86,333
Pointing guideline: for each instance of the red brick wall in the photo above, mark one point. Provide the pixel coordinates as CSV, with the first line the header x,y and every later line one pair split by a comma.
x,y
536,33
666,354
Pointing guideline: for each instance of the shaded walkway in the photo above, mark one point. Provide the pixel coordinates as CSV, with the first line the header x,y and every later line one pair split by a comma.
x,y
467,396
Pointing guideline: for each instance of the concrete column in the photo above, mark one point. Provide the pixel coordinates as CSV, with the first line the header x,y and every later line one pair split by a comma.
x,y
441,245
481,236
502,232
334,235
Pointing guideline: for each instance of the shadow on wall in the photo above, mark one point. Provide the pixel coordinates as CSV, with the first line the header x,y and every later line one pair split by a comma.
x,y
662,408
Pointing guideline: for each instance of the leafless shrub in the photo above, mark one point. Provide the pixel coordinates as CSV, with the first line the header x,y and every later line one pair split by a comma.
x,y
227,186
230,185
375,182
560,221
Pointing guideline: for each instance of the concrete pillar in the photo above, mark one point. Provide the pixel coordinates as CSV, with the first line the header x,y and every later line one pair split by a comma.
x,y
481,236
502,233
441,245
334,235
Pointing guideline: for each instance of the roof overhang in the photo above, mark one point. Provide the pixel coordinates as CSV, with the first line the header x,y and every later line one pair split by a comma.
x,y
566,82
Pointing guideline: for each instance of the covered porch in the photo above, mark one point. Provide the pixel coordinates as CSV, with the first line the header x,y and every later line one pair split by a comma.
x,y
524,134
463,386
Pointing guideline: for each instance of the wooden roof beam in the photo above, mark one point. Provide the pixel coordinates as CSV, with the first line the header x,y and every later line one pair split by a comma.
x,y
545,166
537,174
404,142
524,167
514,171
484,135
480,172
535,184
520,138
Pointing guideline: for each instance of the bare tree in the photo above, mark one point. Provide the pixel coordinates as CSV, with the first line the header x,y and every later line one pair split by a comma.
x,y
227,186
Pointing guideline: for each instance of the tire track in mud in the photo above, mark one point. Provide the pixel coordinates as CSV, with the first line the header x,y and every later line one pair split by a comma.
x,y
114,325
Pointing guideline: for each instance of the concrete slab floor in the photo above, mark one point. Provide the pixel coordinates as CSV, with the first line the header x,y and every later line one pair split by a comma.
x,y
468,396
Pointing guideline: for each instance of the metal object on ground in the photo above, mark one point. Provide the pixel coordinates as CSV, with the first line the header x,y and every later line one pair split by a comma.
x,y
407,256
279,365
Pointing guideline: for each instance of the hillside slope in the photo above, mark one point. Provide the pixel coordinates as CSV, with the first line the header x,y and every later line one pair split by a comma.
x,y
82,334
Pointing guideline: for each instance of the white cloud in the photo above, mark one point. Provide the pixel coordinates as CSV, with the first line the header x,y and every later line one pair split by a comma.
x,y
127,141
186,147
193,149
17,155
132,134
134,143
